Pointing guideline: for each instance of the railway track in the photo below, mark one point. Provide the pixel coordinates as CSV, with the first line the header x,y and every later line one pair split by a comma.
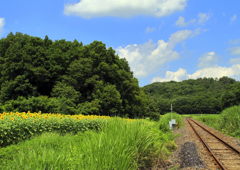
x,y
226,156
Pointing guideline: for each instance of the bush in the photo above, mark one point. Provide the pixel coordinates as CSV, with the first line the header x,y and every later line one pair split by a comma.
x,y
33,104
41,103
1,108
164,121
154,116
88,108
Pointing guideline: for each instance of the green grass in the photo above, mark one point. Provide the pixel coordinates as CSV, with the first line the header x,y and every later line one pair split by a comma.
x,y
209,119
226,122
119,145
164,121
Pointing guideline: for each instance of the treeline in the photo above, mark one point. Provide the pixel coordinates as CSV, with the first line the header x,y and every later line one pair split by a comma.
x,y
67,77
71,78
203,95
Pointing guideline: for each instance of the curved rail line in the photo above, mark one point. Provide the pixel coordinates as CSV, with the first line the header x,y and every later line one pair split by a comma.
x,y
227,156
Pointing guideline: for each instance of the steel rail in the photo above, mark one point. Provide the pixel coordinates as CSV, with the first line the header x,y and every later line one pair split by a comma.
x,y
230,146
217,160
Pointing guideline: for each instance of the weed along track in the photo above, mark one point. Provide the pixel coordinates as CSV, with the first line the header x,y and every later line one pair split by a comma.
x,y
226,156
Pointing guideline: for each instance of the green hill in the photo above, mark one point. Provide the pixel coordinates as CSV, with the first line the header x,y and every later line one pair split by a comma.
x,y
203,95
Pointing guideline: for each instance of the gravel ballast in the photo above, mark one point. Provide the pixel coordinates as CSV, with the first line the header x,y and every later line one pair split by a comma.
x,y
191,154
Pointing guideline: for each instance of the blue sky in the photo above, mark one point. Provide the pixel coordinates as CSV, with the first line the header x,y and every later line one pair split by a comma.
x,y
162,40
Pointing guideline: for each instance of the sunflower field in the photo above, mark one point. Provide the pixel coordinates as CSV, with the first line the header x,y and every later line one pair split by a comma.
x,y
56,141
15,127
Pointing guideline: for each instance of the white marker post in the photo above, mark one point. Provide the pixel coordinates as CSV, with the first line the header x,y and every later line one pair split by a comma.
x,y
173,121
170,122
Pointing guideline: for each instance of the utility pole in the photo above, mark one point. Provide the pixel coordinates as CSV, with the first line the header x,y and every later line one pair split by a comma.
x,y
171,112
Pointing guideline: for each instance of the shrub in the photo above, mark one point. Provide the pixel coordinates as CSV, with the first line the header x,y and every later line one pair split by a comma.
x,y
164,121
229,120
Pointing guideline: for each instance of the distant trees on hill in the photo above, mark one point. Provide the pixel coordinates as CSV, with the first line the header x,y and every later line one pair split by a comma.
x,y
203,95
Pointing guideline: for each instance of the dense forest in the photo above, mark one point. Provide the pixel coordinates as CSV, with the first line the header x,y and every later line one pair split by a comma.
x,y
66,77
203,95
71,78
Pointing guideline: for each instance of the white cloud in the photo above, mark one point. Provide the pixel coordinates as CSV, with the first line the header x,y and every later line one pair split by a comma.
x,y
203,17
208,59
233,18
149,57
145,58
235,50
2,22
179,36
181,22
149,29
234,61
234,42
99,8
179,75
216,71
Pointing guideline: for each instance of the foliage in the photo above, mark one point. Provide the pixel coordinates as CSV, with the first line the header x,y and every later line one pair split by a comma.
x,y
209,119
231,96
121,144
73,75
226,122
15,127
203,95
41,103
92,79
164,121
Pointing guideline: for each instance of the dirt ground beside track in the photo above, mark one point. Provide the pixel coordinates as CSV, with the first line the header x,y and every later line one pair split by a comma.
x,y
191,154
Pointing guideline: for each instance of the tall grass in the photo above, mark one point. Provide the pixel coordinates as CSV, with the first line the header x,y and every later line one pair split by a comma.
x,y
164,121
226,122
120,145
208,119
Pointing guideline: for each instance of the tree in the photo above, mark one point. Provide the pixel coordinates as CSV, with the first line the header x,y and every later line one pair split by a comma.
x,y
109,98
20,86
228,99
62,89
